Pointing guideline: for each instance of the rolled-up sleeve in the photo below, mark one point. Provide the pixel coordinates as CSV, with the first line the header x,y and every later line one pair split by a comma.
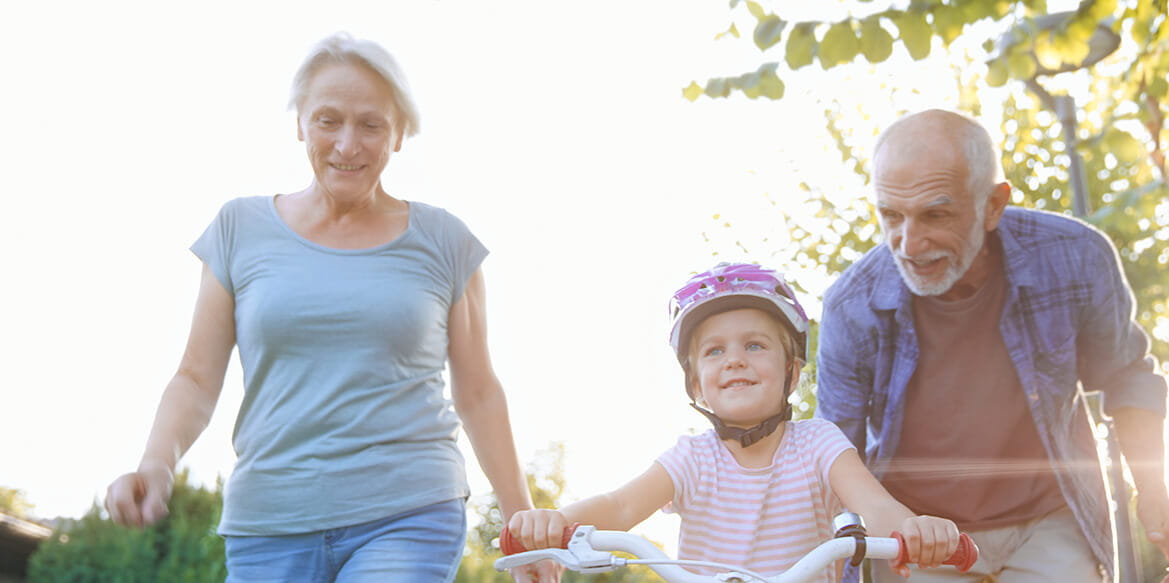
x,y
844,374
1113,350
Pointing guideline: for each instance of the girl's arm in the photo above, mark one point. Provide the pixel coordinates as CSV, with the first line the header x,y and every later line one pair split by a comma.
x,y
621,509
929,540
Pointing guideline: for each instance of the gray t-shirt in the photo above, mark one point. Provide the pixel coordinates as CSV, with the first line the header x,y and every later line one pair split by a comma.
x,y
343,419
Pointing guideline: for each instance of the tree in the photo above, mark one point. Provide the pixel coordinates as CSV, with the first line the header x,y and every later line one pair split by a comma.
x,y
1122,135
183,547
876,34
13,502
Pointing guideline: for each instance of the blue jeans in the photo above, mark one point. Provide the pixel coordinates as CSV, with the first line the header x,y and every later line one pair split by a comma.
x,y
420,546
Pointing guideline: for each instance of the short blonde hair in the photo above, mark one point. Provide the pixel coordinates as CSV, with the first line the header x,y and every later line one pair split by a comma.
x,y
343,48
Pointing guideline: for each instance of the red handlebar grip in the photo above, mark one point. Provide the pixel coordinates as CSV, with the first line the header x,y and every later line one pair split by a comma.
x,y
963,558
511,545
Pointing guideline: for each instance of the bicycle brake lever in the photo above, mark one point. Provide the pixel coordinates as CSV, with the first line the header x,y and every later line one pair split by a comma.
x,y
598,563
588,559
561,556
580,556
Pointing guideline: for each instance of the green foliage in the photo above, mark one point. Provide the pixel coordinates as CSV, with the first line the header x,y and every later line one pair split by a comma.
x,y
1038,42
760,83
876,43
93,550
181,548
769,31
915,33
1148,557
478,566
839,46
801,45
14,503
1126,187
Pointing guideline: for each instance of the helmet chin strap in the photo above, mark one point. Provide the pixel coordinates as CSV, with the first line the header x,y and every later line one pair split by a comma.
x,y
752,435
746,437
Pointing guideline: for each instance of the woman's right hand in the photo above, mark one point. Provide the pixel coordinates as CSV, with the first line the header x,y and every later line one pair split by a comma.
x,y
538,529
140,498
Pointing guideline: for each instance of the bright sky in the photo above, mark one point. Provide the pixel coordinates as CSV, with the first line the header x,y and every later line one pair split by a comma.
x,y
556,130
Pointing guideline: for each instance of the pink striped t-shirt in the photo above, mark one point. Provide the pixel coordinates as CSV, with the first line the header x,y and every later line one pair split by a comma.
x,y
764,519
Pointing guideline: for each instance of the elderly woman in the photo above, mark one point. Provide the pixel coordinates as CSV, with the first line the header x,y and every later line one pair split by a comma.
x,y
346,304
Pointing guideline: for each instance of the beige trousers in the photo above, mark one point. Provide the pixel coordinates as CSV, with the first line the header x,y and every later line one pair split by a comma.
x,y
1047,549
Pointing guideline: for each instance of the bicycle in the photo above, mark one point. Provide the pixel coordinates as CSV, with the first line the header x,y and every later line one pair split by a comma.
x,y
586,550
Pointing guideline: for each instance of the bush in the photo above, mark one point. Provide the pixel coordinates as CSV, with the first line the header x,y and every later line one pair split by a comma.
x,y
182,548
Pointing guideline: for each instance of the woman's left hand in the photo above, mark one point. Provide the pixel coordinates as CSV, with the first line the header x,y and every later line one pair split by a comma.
x,y
542,572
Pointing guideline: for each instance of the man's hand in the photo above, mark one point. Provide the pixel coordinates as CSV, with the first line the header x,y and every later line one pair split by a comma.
x,y
1153,512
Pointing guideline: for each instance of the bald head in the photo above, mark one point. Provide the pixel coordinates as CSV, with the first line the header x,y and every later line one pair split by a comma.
x,y
944,137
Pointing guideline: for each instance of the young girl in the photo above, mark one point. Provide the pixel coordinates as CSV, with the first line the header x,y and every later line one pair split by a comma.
x,y
759,490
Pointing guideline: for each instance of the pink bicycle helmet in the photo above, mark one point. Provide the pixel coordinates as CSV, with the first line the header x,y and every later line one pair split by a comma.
x,y
730,286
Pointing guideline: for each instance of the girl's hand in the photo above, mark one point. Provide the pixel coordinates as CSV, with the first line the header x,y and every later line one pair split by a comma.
x,y
929,541
538,529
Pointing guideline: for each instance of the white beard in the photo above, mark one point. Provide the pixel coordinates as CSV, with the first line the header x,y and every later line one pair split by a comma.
x,y
957,265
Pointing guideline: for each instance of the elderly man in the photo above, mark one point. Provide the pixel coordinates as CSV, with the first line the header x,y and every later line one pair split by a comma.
x,y
953,356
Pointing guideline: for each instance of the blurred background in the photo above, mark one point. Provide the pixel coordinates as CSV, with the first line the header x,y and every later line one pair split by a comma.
x,y
602,150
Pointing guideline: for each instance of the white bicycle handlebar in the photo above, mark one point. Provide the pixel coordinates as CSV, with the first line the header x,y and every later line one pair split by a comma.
x,y
588,551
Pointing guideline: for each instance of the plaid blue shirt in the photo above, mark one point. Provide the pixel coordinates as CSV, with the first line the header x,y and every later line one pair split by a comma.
x,y
1068,326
